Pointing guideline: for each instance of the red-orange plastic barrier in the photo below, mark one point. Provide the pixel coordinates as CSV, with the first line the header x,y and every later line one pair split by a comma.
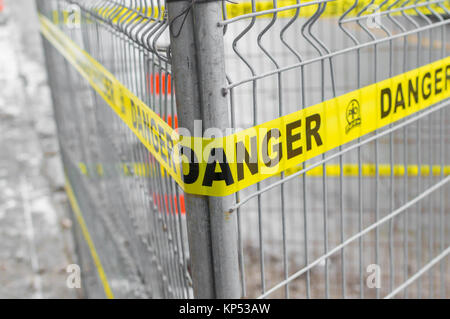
x,y
170,207
157,87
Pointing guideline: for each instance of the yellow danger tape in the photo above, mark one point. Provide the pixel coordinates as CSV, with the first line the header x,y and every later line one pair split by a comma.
x,y
87,237
142,169
333,9
224,165
370,170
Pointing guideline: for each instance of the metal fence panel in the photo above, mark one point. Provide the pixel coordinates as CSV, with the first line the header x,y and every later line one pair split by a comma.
x,y
133,209
295,235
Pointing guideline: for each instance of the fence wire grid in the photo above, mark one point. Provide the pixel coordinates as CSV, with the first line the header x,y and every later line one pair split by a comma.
x,y
306,234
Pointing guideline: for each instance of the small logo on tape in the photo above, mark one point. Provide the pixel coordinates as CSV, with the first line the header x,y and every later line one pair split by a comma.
x,y
353,115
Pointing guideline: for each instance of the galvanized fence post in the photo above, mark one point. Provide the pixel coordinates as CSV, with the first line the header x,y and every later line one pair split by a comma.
x,y
198,70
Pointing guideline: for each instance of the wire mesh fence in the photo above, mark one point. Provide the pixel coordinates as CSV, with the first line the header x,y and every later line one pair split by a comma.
x,y
309,232
284,62
134,211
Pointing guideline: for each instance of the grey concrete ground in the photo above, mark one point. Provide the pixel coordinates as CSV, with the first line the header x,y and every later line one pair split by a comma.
x,y
36,242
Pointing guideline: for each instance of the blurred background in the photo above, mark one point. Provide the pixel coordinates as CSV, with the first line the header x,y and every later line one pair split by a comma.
x,y
36,243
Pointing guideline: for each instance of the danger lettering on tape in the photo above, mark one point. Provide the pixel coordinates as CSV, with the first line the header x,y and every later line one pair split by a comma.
x,y
223,165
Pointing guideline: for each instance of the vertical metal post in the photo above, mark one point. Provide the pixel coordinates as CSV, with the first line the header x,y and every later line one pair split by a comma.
x,y
199,73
